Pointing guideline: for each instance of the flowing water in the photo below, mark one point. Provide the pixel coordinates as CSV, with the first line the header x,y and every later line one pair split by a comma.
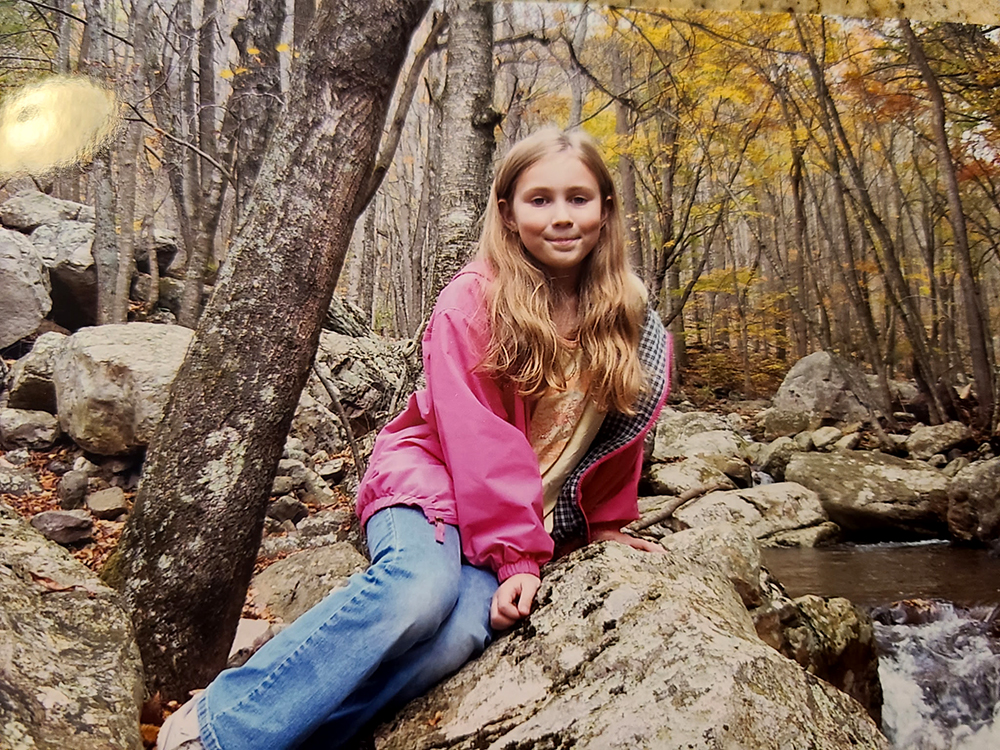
x,y
939,653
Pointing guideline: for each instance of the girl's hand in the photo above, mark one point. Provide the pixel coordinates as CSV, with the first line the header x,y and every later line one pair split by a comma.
x,y
513,600
614,535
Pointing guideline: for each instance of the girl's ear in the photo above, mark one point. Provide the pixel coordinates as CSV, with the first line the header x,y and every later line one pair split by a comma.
x,y
507,215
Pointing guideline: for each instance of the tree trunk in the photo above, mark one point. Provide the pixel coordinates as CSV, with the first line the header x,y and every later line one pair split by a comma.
x,y
626,169
105,246
187,553
468,123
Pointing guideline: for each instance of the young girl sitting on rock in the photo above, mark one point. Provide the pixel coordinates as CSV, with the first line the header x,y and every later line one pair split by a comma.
x,y
545,370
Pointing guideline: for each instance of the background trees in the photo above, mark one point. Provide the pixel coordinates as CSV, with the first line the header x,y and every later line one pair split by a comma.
x,y
790,183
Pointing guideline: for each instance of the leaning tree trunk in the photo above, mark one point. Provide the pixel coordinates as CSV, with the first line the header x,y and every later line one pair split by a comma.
x,y
468,123
187,553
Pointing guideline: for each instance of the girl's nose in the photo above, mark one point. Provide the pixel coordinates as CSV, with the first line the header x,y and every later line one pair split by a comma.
x,y
561,214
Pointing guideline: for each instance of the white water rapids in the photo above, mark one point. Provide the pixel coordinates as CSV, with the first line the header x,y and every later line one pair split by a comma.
x,y
940,678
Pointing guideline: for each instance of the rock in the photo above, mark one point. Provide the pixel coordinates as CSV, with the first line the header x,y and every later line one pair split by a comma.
x,y
825,437
65,248
37,430
72,489
25,300
955,466
925,441
64,526
283,485
367,372
292,586
632,650
331,524
695,434
775,456
827,386
683,476
727,550
974,502
31,384
804,441
250,636
848,442
785,422
287,508
831,638
333,470
811,536
30,208
875,495
72,677
764,511
108,504
167,247
17,481
938,461
112,383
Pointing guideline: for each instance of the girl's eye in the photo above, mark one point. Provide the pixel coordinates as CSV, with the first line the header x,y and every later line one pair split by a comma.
x,y
580,200
538,201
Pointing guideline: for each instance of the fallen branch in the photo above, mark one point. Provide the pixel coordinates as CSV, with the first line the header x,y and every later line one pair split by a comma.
x,y
334,393
673,506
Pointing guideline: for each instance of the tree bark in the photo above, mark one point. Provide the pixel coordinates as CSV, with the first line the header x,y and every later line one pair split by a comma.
x,y
468,123
187,553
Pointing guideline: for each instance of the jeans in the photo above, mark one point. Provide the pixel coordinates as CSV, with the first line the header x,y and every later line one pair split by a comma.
x,y
414,617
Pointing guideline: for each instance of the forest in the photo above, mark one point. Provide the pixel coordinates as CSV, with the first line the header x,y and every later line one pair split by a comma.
x,y
791,182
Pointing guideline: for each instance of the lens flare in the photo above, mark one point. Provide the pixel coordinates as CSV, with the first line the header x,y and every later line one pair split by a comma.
x,y
56,122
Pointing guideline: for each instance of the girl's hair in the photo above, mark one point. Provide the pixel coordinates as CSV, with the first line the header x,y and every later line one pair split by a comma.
x,y
524,344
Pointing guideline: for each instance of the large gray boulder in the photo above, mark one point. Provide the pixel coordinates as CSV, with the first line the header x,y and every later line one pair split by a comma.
x,y
31,385
633,650
30,208
974,502
112,383
70,675
872,494
24,301
775,514
827,386
65,248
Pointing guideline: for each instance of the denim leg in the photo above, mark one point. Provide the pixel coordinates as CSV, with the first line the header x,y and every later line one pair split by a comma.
x,y
289,687
463,636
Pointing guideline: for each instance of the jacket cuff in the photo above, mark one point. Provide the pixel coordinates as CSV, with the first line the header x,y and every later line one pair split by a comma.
x,y
521,566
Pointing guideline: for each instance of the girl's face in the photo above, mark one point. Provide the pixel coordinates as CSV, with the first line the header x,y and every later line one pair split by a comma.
x,y
557,211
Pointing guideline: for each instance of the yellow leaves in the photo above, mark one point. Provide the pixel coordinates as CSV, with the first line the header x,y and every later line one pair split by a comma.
x,y
226,73
253,51
282,48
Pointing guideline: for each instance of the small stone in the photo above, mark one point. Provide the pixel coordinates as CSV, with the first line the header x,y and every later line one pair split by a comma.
x,y
825,437
84,464
287,508
955,466
72,489
848,442
333,470
59,467
108,504
21,456
283,486
64,526
293,444
938,461
804,441
117,465
292,467
288,527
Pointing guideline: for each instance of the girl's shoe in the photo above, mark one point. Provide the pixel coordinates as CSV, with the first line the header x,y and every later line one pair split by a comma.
x,y
180,731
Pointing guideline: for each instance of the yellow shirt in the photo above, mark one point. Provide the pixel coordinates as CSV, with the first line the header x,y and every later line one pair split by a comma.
x,y
563,425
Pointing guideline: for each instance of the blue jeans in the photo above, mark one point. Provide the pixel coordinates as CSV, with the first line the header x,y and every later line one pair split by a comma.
x,y
414,617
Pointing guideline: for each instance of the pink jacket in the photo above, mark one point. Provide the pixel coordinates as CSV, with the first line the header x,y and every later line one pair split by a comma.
x,y
460,451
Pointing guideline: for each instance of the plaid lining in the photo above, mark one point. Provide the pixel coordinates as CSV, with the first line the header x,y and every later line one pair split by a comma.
x,y
617,431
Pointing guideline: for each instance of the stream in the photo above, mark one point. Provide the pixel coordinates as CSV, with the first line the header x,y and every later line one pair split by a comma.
x,y
939,661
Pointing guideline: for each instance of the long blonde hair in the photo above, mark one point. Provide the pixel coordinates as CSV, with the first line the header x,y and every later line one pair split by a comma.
x,y
524,343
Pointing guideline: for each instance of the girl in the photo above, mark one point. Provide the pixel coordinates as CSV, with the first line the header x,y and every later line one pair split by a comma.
x,y
544,372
